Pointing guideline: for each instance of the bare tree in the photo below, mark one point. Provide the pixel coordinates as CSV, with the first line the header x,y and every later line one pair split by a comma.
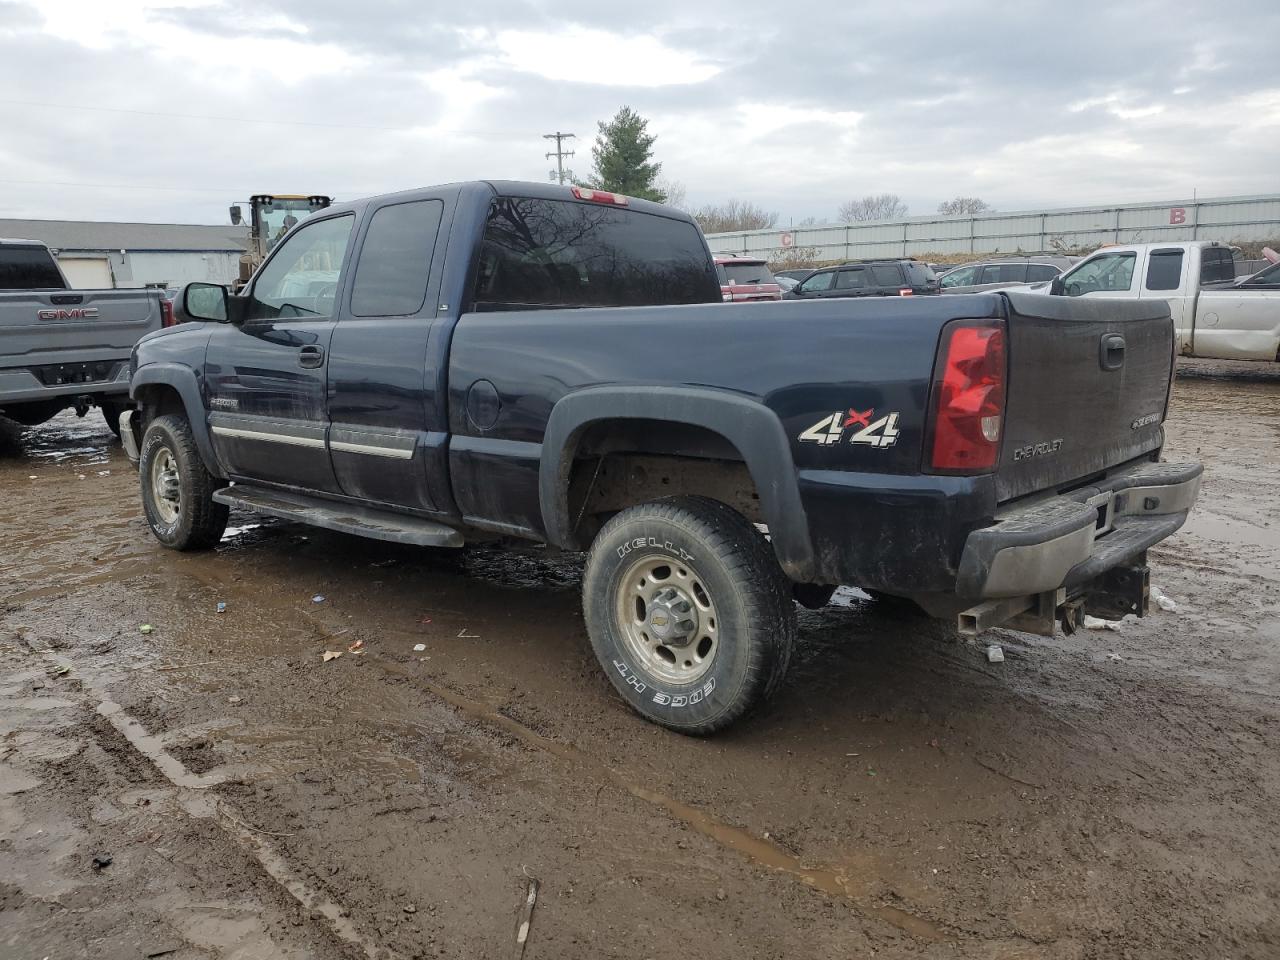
x,y
734,215
676,194
963,205
879,206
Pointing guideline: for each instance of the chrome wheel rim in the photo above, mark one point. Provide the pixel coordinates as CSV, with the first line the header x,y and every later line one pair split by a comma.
x,y
166,488
667,618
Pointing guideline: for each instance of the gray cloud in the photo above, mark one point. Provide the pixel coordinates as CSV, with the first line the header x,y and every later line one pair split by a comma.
x,y
1023,104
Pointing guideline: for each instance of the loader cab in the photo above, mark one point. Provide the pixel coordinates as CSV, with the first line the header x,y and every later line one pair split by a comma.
x,y
271,216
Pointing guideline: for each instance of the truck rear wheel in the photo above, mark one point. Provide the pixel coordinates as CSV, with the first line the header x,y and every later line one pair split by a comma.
x,y
688,612
177,489
111,410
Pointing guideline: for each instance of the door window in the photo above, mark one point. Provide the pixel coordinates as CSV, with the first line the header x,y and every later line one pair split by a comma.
x,y
1109,273
852,279
886,275
962,277
1164,270
301,278
395,260
817,283
1037,272
1003,273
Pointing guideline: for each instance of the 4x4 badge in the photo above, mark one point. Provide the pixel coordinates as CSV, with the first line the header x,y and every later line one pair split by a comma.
x,y
876,433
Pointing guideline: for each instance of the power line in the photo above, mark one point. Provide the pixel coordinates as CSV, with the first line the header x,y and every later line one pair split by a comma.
x,y
560,152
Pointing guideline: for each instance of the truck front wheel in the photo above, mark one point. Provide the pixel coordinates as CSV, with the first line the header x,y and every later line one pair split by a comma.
x,y
177,489
688,612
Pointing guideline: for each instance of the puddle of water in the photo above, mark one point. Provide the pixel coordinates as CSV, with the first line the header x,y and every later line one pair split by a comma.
x,y
64,439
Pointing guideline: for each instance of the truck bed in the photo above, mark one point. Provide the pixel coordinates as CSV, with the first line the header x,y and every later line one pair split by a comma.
x,y
71,342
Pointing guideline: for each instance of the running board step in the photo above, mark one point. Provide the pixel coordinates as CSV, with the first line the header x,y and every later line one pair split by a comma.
x,y
343,517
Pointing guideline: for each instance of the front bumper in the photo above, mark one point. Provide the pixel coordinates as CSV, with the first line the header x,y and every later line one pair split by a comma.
x,y
1067,540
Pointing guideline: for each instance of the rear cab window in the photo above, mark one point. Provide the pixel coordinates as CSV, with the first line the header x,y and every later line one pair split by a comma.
x,y
1217,264
548,254
25,267
747,273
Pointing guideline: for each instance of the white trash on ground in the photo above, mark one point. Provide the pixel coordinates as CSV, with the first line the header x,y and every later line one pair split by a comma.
x,y
1163,600
995,653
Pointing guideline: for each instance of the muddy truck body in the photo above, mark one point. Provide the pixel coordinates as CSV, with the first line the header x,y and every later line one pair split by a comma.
x,y
62,348
550,363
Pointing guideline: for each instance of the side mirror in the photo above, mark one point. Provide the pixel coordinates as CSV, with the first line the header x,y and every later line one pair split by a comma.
x,y
210,302
1056,287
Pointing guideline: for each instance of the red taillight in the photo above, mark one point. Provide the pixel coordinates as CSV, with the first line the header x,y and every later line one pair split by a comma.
x,y
906,292
968,391
600,196
166,312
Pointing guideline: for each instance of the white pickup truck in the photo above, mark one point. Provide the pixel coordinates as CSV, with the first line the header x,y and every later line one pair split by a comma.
x,y
1213,315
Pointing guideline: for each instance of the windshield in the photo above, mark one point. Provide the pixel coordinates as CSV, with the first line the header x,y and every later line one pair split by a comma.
x,y
279,215
1269,277
747,273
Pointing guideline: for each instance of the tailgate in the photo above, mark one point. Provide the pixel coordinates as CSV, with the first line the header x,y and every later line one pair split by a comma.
x,y
38,328
1088,383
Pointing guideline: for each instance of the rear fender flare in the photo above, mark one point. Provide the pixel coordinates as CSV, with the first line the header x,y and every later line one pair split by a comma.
x,y
753,429
183,380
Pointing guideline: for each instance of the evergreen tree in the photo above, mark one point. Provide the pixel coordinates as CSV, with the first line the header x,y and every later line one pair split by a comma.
x,y
623,154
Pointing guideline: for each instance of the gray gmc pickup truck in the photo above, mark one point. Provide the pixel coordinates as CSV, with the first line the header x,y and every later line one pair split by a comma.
x,y
62,348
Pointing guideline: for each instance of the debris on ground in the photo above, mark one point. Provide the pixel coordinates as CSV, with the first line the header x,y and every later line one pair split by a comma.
x,y
526,917
234,700
62,670
1097,623
331,655
146,628
995,653
1163,600
1115,658
357,647
721,895
102,861
318,598
419,647
462,634
410,908
221,607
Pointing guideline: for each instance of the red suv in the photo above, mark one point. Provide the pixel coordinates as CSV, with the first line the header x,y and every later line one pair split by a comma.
x,y
745,279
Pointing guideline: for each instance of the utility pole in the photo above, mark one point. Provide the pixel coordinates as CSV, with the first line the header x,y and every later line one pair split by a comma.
x,y
560,153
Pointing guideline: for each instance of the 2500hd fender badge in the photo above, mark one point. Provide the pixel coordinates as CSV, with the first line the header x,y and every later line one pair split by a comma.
x,y
1045,449
876,433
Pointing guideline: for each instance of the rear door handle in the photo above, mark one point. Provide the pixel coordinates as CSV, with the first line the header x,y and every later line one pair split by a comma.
x,y
311,357
1111,351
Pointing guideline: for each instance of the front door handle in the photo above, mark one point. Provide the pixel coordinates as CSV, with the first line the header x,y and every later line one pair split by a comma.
x,y
311,357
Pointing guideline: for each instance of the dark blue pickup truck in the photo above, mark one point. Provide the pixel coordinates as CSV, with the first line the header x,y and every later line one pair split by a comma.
x,y
553,363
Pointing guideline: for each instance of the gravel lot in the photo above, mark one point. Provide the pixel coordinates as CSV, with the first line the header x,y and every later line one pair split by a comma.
x,y
1109,794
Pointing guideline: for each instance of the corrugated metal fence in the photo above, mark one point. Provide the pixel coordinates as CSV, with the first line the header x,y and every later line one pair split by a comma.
x,y
1228,218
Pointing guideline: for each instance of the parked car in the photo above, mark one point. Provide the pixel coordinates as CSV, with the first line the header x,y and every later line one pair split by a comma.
x,y
554,363
62,348
867,278
999,272
743,278
1214,317
1267,278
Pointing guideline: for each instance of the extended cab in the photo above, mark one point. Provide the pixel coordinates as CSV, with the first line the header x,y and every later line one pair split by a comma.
x,y
62,348
1212,315
498,359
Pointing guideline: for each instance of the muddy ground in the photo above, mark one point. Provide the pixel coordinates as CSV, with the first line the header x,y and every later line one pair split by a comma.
x,y
1110,794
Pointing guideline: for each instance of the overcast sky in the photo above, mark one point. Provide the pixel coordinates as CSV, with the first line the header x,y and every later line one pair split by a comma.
x,y
170,111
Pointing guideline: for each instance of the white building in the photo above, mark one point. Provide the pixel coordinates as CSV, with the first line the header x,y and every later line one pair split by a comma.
x,y
101,255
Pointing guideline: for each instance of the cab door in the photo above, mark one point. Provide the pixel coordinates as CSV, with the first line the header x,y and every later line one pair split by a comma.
x,y
388,429
266,377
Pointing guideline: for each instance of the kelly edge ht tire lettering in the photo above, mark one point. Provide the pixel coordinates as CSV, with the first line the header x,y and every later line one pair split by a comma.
x,y
177,490
688,612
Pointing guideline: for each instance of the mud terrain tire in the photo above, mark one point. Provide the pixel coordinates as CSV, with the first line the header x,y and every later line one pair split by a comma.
x,y
177,490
